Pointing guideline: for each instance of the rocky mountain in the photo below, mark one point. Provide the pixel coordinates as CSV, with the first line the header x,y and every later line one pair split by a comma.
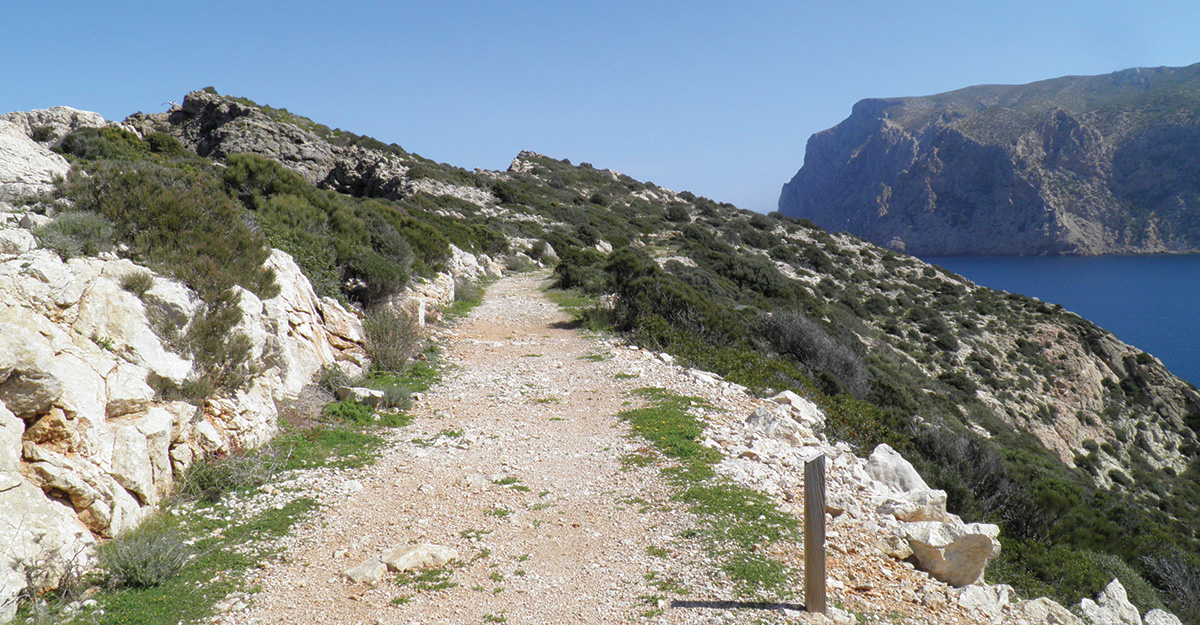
x,y
1074,165
1080,449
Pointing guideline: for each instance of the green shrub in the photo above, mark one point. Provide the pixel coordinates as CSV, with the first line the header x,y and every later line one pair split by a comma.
x,y
137,282
179,220
104,143
331,378
208,479
393,337
82,233
165,144
42,134
827,358
146,556
349,411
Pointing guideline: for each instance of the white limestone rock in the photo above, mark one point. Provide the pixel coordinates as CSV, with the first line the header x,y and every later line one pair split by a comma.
x,y
1111,607
305,332
803,410
11,430
27,388
890,469
918,505
1044,611
423,555
61,120
986,600
773,425
369,571
16,241
1161,617
955,553
108,312
27,168
35,528
359,395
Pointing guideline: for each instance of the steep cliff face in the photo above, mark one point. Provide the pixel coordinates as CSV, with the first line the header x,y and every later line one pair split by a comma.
x,y
1075,165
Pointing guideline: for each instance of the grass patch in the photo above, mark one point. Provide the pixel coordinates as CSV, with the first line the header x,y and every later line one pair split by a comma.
x,y
206,579
736,520
467,296
428,580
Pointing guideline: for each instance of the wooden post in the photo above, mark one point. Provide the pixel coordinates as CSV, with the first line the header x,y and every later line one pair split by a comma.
x,y
814,534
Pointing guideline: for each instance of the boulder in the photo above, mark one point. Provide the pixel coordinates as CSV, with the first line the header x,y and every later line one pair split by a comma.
x,y
890,469
955,553
26,167
917,505
770,424
986,600
1161,617
1111,607
359,395
803,410
16,241
369,571
1045,611
418,556
26,387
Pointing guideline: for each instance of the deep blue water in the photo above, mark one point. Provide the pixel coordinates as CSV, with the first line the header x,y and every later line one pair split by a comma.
x,y
1151,302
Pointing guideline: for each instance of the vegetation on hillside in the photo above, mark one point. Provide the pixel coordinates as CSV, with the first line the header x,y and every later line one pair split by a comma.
x,y
953,375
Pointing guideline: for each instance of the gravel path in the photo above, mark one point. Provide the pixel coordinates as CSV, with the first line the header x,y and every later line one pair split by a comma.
x,y
515,461
519,462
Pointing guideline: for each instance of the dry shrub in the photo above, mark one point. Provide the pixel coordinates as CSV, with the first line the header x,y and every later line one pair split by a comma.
x,y
393,338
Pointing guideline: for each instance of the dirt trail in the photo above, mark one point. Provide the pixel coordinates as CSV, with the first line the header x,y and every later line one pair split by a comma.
x,y
515,461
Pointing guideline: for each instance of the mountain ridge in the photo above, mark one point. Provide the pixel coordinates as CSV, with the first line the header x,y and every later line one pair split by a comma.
x,y
1072,165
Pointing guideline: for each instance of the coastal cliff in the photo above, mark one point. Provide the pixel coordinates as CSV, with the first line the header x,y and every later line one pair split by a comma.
x,y
1074,165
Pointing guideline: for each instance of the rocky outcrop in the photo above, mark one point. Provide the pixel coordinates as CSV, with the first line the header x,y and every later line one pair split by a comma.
x,y
87,446
49,125
27,168
1075,165
1111,607
216,126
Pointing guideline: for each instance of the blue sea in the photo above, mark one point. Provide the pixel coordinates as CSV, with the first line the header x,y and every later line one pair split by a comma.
x,y
1151,302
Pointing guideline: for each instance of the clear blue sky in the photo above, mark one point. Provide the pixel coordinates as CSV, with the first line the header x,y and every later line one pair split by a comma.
x,y
715,97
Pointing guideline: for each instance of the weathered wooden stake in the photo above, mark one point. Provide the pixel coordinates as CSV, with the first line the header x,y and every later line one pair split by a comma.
x,y
814,534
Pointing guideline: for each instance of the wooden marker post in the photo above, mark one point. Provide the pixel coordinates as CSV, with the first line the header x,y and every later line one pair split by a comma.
x,y
814,534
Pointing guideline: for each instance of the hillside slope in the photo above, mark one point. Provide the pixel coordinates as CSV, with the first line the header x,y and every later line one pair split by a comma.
x,y
1024,413
1074,165
1080,447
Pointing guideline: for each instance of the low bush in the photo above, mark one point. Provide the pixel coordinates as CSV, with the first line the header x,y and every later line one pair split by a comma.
x,y
146,556
210,478
836,365
82,233
331,378
349,411
393,338
107,143
137,282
